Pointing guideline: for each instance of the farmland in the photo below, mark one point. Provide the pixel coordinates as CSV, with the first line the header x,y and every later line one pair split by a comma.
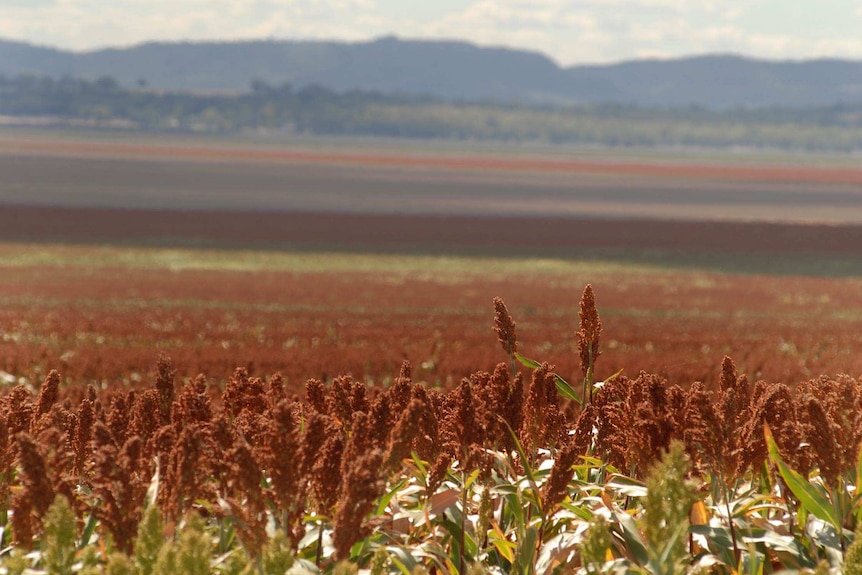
x,y
364,178
321,259
496,475
355,403
320,315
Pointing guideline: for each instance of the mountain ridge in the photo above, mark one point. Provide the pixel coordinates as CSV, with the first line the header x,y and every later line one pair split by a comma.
x,y
452,70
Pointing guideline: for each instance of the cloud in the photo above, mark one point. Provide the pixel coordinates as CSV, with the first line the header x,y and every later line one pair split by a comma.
x,y
570,31
81,24
584,30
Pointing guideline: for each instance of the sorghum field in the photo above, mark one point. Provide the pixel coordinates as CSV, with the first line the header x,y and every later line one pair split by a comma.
x,y
264,358
101,315
181,411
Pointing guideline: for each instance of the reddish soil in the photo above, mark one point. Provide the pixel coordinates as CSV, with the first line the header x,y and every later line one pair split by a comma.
x,y
417,233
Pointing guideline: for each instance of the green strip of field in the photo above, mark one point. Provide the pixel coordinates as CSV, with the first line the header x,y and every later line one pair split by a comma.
x,y
441,268
52,255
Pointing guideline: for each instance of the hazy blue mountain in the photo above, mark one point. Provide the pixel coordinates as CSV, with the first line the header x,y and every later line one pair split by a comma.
x,y
451,70
730,81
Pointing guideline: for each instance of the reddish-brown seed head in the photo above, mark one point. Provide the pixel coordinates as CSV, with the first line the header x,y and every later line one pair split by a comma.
x,y
504,326
591,329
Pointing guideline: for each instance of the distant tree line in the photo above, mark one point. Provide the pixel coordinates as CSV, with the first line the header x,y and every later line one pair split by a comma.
x,y
318,110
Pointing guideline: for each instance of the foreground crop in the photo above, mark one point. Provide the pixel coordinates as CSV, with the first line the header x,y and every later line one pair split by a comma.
x,y
497,475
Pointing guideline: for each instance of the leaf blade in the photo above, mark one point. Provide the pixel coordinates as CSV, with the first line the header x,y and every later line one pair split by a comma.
x,y
808,496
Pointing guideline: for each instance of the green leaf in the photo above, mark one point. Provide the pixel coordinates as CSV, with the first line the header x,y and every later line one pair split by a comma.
x,y
453,528
89,529
471,479
792,552
528,471
858,479
578,509
421,468
627,486
437,554
384,501
563,387
751,563
826,537
632,537
515,512
806,493
527,362
719,540
400,566
614,376
667,552
504,547
504,489
526,552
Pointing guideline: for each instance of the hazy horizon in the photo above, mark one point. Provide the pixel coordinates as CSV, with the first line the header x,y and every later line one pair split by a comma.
x,y
568,32
693,55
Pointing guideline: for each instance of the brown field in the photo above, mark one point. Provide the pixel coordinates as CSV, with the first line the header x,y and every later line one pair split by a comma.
x,y
801,247
459,230
103,315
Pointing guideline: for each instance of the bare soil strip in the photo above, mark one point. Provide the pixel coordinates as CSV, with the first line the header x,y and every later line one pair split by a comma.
x,y
416,233
234,185
698,170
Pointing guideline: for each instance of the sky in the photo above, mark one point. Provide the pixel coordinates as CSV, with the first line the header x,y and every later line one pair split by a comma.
x,y
569,31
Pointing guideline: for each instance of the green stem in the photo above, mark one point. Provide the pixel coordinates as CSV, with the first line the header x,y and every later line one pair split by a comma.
x,y
462,568
584,393
726,496
319,545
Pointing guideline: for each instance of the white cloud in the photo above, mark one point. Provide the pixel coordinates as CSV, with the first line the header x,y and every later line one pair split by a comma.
x,y
568,30
586,30
82,24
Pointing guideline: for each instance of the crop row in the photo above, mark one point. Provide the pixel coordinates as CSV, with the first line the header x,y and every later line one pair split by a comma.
x,y
106,325
498,474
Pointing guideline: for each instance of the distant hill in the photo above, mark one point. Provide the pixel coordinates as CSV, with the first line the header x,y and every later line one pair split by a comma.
x,y
451,70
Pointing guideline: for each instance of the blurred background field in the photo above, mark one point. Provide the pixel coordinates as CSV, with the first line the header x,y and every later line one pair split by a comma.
x,y
319,258
102,315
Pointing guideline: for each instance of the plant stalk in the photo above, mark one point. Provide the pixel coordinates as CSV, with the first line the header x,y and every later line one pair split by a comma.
x,y
462,568
726,495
